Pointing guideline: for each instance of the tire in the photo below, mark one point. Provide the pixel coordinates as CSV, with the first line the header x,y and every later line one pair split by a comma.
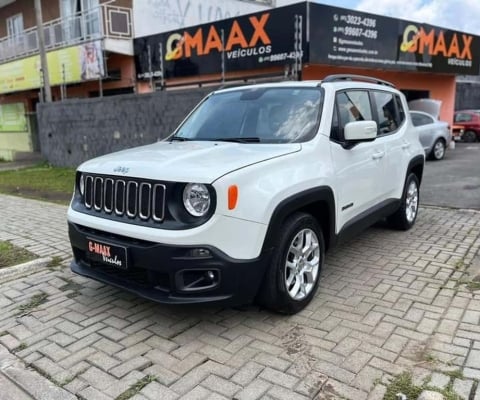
x,y
438,150
469,137
288,286
404,218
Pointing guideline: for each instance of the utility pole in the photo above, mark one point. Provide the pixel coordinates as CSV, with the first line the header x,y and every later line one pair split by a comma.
x,y
43,54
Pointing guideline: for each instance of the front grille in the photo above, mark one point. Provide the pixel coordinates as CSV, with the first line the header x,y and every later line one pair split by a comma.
x,y
132,198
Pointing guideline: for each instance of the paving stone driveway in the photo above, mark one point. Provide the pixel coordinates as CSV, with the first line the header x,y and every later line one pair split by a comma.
x,y
388,302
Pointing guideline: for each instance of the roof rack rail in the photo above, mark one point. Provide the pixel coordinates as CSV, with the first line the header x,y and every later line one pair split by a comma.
x,y
351,77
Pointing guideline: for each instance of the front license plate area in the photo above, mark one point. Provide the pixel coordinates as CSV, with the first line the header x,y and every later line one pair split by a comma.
x,y
108,254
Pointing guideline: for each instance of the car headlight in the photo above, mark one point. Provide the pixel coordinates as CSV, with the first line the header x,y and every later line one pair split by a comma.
x,y
81,184
196,199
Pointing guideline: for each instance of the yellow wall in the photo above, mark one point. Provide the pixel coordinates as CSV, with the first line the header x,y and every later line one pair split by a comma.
x,y
10,142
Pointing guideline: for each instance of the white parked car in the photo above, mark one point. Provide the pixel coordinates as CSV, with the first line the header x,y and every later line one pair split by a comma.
x,y
435,135
241,202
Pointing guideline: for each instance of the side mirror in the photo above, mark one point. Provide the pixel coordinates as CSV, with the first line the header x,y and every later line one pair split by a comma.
x,y
360,131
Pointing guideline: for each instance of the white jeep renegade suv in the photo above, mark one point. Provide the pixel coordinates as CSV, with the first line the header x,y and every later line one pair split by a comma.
x,y
241,202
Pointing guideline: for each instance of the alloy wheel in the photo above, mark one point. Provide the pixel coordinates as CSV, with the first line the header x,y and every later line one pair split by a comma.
x,y
302,264
439,150
411,202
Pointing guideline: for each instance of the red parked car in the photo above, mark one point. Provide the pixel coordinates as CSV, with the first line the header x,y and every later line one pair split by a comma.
x,y
470,121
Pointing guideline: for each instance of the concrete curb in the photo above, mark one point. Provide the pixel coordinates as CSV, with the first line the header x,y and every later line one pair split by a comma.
x,y
27,268
14,165
450,208
25,383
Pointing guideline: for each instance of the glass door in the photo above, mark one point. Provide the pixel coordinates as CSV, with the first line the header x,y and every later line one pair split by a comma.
x,y
91,11
15,25
69,11
15,35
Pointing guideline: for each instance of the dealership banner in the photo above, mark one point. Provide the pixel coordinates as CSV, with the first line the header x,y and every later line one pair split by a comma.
x,y
341,36
12,118
68,65
257,40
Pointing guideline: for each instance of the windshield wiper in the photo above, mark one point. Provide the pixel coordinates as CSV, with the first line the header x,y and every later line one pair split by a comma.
x,y
179,139
238,139
233,139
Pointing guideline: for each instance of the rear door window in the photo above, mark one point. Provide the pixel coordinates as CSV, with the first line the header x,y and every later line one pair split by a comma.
x,y
420,119
389,111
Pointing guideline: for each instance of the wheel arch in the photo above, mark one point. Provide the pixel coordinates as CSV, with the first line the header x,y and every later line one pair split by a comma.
x,y
416,166
318,202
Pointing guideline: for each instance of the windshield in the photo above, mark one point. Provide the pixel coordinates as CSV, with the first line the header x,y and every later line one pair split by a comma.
x,y
264,115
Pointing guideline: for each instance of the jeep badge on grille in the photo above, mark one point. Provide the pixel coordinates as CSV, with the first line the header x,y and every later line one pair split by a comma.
x,y
120,169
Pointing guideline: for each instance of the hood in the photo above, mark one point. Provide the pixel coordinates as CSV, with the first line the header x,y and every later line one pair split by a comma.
x,y
196,161
430,106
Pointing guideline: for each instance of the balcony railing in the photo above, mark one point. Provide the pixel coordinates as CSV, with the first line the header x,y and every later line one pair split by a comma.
x,y
105,21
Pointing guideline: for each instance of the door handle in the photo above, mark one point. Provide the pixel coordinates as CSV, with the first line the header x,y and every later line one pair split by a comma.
x,y
405,145
378,155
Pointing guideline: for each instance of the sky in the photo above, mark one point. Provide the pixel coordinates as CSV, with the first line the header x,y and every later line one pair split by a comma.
x,y
461,15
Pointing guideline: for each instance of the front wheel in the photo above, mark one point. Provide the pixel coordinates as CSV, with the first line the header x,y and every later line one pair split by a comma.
x,y
404,218
438,150
293,275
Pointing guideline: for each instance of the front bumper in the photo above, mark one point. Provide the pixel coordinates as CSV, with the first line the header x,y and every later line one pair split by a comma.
x,y
171,274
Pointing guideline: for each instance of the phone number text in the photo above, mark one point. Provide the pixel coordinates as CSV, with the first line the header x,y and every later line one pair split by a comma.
x,y
357,32
356,20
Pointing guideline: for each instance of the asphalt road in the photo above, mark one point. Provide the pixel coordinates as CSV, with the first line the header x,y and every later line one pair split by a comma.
x,y
455,180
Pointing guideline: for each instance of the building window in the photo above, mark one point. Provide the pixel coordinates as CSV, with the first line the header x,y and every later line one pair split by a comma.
x,y
80,19
15,25
69,8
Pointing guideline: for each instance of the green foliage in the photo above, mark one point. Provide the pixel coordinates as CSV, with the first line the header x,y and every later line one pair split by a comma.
x,y
136,387
34,302
449,394
12,255
456,374
20,347
473,285
42,182
54,262
402,384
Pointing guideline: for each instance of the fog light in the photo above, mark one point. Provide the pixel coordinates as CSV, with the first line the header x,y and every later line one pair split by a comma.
x,y
192,280
210,275
199,253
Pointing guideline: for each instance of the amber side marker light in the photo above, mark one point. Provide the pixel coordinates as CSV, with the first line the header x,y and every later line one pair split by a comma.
x,y
232,197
